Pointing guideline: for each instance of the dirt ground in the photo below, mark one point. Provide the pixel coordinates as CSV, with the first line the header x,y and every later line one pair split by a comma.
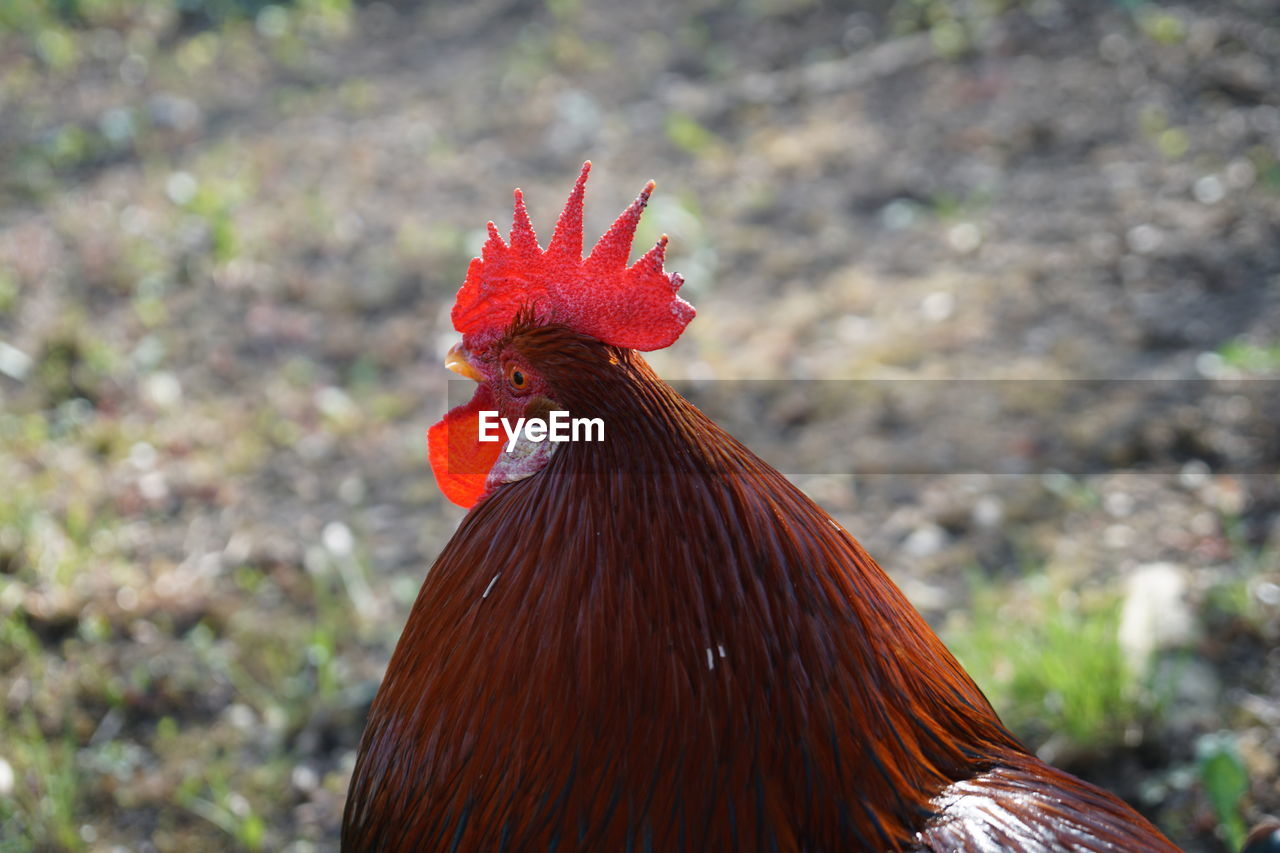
x,y
227,257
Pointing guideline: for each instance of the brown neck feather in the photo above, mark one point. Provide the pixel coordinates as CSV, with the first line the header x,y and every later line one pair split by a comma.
x,y
662,622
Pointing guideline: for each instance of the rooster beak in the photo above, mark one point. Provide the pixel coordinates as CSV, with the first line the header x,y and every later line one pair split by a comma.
x,y
457,361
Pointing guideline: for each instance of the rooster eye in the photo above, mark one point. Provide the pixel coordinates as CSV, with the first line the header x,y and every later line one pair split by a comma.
x,y
516,377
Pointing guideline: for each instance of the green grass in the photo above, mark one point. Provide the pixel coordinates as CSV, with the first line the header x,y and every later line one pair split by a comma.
x,y
42,542
953,27
42,812
281,652
691,137
224,807
49,20
1249,357
1222,773
1049,660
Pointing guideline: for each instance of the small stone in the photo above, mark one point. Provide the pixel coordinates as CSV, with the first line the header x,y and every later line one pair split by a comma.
x,y
1209,190
1144,239
338,539
1155,615
1195,474
899,214
14,363
335,403
272,22
127,598
153,486
964,237
938,306
1118,504
305,778
988,511
925,596
1268,593
117,125
1241,174
853,328
925,541
181,187
1210,365
241,716
163,389
238,804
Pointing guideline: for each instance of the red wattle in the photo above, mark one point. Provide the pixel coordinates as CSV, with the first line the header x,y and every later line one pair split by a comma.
x,y
459,459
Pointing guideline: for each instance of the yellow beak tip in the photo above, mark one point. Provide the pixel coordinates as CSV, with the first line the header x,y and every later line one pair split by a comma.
x,y
457,361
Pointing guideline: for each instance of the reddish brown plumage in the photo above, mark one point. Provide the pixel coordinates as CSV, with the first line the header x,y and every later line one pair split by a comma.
x,y
657,642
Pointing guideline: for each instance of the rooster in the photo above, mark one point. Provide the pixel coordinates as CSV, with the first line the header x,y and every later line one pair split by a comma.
x,y
655,641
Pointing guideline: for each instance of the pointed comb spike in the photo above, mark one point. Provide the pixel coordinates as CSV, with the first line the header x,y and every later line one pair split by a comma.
x,y
652,259
522,236
494,246
613,249
633,308
566,241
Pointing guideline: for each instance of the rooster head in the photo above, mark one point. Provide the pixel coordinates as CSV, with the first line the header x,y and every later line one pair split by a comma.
x,y
517,285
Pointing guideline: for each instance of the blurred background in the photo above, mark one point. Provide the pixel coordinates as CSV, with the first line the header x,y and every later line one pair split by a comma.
x,y
231,231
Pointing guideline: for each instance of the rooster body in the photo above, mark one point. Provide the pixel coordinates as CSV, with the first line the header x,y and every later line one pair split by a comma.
x,y
656,642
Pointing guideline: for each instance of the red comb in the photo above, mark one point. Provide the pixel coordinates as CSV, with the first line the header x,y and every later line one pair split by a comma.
x,y
635,307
